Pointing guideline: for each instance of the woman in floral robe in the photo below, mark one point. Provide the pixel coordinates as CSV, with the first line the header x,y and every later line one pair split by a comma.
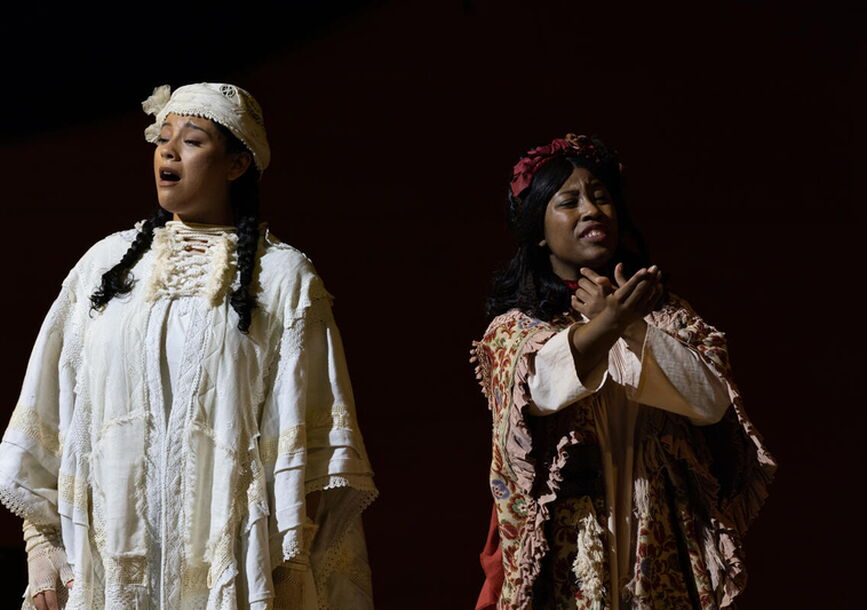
x,y
625,471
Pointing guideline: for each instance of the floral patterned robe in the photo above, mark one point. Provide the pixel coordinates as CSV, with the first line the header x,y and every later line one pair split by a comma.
x,y
695,488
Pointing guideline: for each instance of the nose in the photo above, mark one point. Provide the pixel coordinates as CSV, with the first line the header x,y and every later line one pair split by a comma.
x,y
167,150
589,210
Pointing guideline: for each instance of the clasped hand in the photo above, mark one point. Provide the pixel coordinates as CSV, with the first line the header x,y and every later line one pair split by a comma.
x,y
625,300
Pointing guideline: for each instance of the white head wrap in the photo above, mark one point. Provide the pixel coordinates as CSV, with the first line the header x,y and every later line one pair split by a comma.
x,y
228,105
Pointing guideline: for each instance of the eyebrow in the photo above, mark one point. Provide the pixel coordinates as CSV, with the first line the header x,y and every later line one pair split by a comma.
x,y
595,183
190,125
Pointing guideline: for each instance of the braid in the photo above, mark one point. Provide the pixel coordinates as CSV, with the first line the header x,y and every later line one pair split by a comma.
x,y
244,194
116,280
248,243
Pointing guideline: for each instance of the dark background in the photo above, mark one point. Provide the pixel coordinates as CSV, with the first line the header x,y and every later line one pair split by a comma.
x,y
394,126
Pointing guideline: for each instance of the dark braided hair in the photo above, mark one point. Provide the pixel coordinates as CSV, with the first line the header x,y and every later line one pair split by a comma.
x,y
528,282
244,197
116,280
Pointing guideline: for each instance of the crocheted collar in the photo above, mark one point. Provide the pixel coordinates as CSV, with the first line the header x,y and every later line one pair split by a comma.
x,y
192,259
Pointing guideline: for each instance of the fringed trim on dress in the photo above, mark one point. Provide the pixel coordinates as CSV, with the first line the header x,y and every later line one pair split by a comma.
x,y
191,259
589,564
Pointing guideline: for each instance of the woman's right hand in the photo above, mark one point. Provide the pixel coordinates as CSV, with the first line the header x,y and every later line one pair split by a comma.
x,y
47,567
623,303
613,312
47,600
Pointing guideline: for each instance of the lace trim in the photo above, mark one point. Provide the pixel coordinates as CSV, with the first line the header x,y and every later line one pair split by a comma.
x,y
16,502
291,440
153,425
221,552
339,416
332,556
223,593
356,569
27,421
297,542
313,316
181,458
98,527
361,482
61,319
72,491
124,571
288,587
194,577
292,544
257,493
206,112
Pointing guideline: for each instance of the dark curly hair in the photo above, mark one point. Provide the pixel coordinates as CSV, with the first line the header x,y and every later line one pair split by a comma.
x,y
528,282
244,196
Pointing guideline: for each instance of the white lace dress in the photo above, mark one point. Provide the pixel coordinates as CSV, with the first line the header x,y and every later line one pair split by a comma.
x,y
176,454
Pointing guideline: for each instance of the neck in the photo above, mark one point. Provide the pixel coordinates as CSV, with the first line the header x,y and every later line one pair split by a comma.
x,y
568,273
563,271
223,218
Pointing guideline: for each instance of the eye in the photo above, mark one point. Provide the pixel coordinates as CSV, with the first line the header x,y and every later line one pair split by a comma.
x,y
600,196
162,140
193,142
568,203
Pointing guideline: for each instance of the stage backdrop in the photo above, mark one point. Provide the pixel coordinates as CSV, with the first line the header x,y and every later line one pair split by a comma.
x,y
394,126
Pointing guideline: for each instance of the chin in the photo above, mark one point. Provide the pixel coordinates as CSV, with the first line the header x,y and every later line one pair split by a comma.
x,y
598,262
170,204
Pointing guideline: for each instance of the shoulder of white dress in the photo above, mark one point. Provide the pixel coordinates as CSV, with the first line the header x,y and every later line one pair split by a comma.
x,y
289,277
113,242
287,261
102,255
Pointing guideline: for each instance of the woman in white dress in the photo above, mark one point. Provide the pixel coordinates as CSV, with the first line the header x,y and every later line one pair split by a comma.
x,y
186,435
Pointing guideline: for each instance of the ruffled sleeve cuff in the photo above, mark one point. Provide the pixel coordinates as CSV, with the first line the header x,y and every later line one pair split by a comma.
x,y
554,385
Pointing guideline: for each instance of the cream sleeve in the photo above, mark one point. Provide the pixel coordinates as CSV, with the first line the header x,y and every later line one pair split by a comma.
x,y
669,375
675,378
554,384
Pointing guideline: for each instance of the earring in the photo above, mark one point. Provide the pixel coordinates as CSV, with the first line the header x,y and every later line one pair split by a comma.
x,y
543,243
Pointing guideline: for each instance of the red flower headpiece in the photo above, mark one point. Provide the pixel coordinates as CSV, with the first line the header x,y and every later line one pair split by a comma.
x,y
526,168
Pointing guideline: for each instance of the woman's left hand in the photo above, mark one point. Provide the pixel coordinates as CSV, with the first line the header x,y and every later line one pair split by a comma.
x,y
589,299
